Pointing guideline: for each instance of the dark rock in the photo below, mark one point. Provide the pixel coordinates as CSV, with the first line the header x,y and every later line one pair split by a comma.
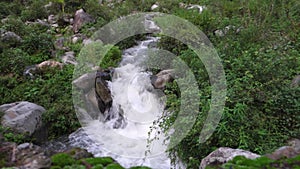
x,y
102,90
223,155
81,18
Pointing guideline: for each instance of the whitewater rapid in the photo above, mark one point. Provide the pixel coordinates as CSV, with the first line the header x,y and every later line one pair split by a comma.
x,y
141,105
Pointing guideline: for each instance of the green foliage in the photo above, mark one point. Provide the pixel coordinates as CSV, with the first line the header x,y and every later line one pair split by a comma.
x,y
75,166
261,110
112,58
11,136
114,166
258,163
97,166
38,43
99,160
14,61
62,159
36,10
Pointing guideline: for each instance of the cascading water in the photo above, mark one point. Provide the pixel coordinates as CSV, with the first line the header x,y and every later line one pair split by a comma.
x,y
140,105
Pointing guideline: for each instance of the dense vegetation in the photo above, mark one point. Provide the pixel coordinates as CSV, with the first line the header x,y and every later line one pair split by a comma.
x,y
262,110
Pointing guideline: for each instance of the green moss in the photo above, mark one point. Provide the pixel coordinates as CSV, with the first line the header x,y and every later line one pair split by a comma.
x,y
62,159
99,160
114,166
55,167
74,167
98,166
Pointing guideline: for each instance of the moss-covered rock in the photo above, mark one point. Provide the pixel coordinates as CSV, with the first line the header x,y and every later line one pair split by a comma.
x,y
98,166
99,160
114,166
75,166
62,159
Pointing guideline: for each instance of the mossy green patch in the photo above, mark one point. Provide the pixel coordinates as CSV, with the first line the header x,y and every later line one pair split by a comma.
x,y
75,166
98,166
99,160
62,159
114,166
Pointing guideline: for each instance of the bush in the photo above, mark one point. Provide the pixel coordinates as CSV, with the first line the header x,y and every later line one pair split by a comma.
x,y
38,43
14,61
35,11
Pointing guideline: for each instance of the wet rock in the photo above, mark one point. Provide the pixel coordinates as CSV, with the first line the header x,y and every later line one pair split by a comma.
x,y
160,80
81,18
290,151
102,90
24,117
225,154
69,58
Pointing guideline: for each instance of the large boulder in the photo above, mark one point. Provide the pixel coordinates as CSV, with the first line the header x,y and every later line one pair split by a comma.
x,y
85,82
22,117
81,18
225,154
160,80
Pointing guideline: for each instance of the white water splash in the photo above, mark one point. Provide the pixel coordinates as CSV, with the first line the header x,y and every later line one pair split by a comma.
x,y
141,105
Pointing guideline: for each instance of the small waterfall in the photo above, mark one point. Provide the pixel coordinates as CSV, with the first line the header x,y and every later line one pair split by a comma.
x,y
139,104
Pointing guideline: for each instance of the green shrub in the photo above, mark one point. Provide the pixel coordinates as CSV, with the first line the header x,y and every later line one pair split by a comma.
x,y
112,58
62,159
36,10
11,136
14,60
38,43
